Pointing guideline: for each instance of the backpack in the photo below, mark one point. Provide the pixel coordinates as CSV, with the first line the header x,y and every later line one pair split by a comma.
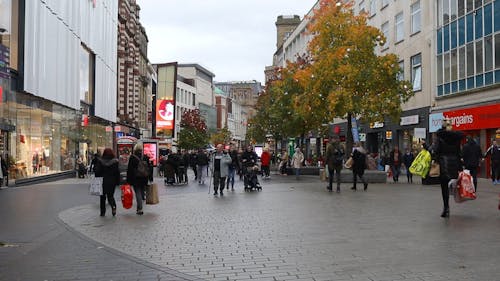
x,y
142,169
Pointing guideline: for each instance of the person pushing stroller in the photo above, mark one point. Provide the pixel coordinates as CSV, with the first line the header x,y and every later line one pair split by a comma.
x,y
250,169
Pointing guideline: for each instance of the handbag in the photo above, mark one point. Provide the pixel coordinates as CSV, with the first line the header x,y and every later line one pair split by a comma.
x,y
95,187
152,194
348,163
434,171
465,187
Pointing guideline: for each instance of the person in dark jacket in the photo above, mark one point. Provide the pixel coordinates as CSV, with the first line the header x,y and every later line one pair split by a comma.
x,y
334,160
107,168
494,153
395,160
359,165
202,164
233,167
408,160
471,157
138,182
447,152
192,162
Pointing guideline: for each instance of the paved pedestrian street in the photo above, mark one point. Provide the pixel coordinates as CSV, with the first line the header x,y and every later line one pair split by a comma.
x,y
296,230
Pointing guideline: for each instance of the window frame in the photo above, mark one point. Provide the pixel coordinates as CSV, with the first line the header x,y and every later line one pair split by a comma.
x,y
413,14
416,71
399,25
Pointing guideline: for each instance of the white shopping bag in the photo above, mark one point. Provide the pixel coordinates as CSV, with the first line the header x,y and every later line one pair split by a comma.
x,y
95,187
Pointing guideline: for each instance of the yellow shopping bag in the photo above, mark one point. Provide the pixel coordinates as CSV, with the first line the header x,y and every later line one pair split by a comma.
x,y
421,164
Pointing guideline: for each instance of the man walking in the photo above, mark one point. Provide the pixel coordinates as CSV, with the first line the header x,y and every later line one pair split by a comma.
x,y
471,157
494,153
334,159
220,167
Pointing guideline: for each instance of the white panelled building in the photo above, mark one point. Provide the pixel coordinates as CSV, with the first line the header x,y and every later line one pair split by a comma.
x,y
59,97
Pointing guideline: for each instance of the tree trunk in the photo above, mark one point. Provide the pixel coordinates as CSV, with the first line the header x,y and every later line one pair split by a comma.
x,y
349,137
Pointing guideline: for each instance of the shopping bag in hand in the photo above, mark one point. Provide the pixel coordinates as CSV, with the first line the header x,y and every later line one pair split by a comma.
x,y
465,187
95,187
152,194
127,196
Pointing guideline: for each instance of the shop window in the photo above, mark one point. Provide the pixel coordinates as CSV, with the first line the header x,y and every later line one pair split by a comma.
x,y
488,78
447,89
461,85
470,83
479,80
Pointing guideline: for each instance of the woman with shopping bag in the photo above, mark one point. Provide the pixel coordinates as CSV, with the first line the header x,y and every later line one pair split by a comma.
x,y
107,168
447,151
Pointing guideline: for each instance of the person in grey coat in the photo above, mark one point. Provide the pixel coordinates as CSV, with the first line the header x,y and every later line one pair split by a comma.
x,y
220,168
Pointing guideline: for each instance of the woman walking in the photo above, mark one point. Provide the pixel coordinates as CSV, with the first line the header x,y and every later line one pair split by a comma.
x,y
395,161
297,159
107,168
137,177
358,167
408,160
447,151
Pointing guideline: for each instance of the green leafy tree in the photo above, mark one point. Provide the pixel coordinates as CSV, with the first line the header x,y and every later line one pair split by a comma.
x,y
222,136
346,77
193,133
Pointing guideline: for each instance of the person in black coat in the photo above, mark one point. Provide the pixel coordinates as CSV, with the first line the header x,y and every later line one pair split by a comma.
x,y
107,167
408,160
447,152
359,165
471,157
138,182
395,160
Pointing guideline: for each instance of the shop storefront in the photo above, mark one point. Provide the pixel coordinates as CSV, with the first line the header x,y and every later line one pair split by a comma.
x,y
478,122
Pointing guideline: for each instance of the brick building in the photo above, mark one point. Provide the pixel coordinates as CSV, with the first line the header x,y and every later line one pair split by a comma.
x,y
134,75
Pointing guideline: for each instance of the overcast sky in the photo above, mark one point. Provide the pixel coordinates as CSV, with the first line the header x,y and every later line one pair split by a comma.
x,y
234,39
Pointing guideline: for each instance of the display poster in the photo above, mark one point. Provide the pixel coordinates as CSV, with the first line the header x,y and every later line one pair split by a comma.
x,y
164,105
150,149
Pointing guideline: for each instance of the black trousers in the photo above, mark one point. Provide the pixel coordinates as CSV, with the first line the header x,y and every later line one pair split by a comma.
x,y
355,178
445,193
219,182
111,201
331,172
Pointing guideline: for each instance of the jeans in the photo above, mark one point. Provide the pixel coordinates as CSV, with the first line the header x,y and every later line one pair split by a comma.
x,y
202,173
331,172
396,170
297,172
139,192
230,177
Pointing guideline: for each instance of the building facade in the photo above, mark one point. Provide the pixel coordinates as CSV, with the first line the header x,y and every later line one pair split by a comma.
x,y
185,99
133,74
58,98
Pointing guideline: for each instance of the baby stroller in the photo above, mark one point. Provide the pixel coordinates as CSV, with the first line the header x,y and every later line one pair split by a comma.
x,y
250,178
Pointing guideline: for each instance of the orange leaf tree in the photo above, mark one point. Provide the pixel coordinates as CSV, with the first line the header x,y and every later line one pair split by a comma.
x,y
346,78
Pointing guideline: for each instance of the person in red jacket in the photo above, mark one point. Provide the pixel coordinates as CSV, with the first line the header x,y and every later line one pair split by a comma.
x,y
265,160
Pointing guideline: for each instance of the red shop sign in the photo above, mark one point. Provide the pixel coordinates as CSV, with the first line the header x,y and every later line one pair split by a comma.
x,y
475,118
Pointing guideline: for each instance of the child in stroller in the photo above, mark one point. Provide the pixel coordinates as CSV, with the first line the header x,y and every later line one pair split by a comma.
x,y
250,178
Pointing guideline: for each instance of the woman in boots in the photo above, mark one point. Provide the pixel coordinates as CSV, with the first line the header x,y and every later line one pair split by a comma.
x,y
107,167
448,154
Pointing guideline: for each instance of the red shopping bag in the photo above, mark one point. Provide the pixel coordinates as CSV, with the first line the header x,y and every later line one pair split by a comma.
x,y
127,196
465,187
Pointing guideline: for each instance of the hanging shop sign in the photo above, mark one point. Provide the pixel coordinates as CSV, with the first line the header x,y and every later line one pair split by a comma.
x,y
476,118
376,125
409,120
419,133
388,135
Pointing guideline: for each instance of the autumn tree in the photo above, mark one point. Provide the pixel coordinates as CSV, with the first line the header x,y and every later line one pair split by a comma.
x,y
276,114
222,136
346,78
193,133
